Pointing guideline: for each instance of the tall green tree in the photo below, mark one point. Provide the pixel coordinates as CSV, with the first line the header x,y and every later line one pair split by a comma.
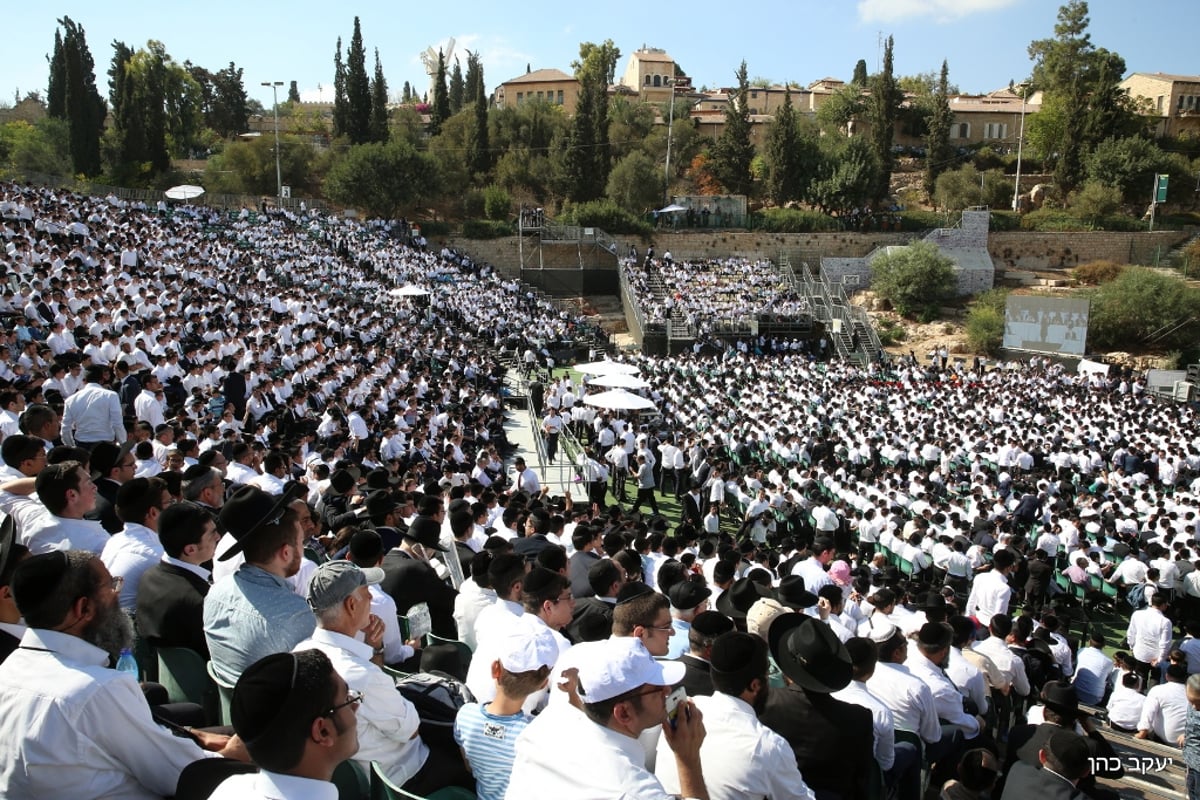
x,y
358,89
406,94
73,96
784,171
846,177
379,103
1080,84
293,92
732,154
587,159
341,105
916,279
860,74
457,88
441,98
385,180
229,112
882,108
938,152
479,154
474,79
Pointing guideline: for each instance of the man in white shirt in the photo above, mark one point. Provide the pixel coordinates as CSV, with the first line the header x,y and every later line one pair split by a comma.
x,y
1149,636
93,414
990,592
932,650
136,548
909,698
1012,668
67,492
1093,670
1165,712
70,725
146,406
742,757
812,569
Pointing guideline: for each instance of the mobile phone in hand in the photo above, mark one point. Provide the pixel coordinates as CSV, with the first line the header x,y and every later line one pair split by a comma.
x,y
674,703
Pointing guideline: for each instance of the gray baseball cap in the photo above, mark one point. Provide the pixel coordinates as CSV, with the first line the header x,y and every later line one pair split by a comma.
x,y
334,581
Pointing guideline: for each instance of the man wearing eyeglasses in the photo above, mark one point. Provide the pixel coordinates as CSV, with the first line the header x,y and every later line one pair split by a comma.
x,y
69,725
387,722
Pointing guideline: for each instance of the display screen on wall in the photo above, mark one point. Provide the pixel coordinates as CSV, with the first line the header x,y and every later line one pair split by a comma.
x,y
1046,324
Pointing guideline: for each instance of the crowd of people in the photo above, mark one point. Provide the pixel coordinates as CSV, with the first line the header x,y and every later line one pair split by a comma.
x,y
706,293
227,435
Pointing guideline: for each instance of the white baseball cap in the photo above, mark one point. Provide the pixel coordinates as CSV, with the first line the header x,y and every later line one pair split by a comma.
x,y
524,649
620,665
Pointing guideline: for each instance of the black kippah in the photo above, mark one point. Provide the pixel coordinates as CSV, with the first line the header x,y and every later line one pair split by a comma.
x,y
537,580
37,578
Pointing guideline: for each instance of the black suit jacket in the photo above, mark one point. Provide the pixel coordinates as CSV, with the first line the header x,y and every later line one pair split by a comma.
x,y
530,546
170,608
8,643
410,581
1024,742
577,571
691,509
105,511
591,621
697,680
833,741
1027,782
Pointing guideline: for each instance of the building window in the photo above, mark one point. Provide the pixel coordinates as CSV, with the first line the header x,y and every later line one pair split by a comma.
x,y
961,131
657,80
754,95
1159,105
995,130
647,80
560,97
520,97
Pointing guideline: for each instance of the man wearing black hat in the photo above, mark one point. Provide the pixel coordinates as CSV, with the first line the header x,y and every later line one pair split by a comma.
x,y
832,740
1061,713
255,611
688,599
93,414
739,751
410,579
297,717
706,627
69,725
927,662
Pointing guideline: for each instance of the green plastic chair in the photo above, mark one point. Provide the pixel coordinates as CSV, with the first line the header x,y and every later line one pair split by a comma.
x,y
226,696
464,650
384,789
184,674
351,781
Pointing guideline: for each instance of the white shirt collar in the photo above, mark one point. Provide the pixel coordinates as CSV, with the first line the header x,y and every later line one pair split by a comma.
x,y
291,787
341,641
195,569
65,644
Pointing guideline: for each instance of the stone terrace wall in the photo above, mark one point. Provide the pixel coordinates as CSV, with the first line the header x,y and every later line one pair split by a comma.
x,y
1009,250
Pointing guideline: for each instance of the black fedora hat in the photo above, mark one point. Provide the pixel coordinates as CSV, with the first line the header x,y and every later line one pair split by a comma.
x,y
809,653
250,509
425,532
743,594
793,594
1061,697
8,538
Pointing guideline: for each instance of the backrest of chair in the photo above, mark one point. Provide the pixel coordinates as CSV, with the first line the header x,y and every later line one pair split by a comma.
x,y
384,789
351,781
201,778
226,693
183,672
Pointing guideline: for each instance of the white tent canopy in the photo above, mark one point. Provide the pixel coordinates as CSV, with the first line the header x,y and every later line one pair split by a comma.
x,y
185,191
607,368
619,380
408,291
618,400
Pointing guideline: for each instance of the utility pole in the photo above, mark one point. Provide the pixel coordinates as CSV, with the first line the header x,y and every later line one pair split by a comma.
x,y
278,169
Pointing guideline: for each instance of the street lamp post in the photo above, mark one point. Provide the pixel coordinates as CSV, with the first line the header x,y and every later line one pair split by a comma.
x,y
278,169
1020,147
670,125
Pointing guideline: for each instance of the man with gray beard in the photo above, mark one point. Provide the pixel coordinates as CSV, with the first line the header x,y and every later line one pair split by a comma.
x,y
69,725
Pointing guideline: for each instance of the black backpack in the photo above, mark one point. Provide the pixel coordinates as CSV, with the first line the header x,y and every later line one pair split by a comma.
x,y
1040,668
437,697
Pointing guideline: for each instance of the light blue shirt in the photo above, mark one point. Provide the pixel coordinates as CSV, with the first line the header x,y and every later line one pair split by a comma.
x,y
677,645
250,615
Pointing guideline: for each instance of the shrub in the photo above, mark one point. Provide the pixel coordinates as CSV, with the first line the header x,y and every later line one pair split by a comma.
x,y
890,332
1143,307
1094,201
916,279
1095,273
966,186
432,228
473,204
606,215
486,229
985,321
1051,220
496,203
792,220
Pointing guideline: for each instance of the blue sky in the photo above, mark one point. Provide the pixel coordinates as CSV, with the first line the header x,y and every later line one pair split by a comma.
x,y
800,41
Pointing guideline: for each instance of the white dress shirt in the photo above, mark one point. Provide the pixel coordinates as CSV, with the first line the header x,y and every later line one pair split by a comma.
x,y
273,786
1165,712
743,759
72,727
1007,662
129,553
384,607
1149,635
947,700
147,408
471,600
46,532
1125,707
910,700
1092,671
969,680
93,414
882,720
989,596
387,722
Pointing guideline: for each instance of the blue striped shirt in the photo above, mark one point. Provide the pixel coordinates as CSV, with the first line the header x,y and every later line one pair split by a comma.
x,y
490,743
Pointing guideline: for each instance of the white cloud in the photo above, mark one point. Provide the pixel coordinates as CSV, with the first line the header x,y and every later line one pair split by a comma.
x,y
938,10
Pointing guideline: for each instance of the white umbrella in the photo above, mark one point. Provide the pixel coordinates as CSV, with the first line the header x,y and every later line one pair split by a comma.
x,y
184,191
619,380
619,399
672,209
607,368
408,291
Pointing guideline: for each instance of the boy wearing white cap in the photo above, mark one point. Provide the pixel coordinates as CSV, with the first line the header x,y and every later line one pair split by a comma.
x,y
487,732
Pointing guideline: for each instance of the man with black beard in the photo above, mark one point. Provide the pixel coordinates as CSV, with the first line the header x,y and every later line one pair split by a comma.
x,y
69,725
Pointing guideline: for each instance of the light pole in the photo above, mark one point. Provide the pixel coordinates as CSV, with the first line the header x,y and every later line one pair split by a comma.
x,y
278,170
670,124
1020,147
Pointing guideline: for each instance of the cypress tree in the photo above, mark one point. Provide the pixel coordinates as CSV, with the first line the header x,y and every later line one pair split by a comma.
x,y
341,108
358,90
479,157
293,93
882,107
457,96
379,99
56,90
938,152
733,152
441,98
